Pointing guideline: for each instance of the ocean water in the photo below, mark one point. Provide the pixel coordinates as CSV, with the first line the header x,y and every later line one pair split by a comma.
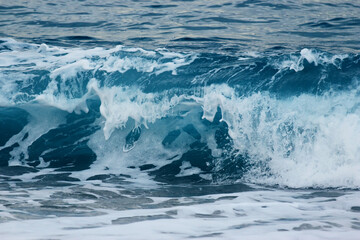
x,y
179,119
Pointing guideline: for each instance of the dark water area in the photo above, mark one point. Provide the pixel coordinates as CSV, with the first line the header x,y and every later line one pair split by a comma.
x,y
202,26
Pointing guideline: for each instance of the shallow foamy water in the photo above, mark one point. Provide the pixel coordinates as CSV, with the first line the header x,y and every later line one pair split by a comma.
x,y
116,209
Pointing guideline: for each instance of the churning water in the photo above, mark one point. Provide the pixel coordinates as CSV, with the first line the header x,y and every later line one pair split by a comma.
x,y
179,119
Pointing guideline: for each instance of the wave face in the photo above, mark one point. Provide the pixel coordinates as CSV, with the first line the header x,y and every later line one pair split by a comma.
x,y
289,119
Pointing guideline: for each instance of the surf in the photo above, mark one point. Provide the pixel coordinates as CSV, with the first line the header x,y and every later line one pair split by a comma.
x,y
288,120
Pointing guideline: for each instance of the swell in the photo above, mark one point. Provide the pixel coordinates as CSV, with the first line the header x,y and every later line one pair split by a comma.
x,y
291,120
30,72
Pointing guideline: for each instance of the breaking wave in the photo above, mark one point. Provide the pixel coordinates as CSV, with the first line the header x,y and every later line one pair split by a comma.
x,y
290,120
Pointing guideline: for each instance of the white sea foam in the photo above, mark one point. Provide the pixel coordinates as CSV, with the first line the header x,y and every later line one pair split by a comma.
x,y
300,141
296,62
251,215
119,104
65,64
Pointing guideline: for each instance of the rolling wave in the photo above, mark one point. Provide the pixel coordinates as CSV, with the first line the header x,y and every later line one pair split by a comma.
x,y
291,119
